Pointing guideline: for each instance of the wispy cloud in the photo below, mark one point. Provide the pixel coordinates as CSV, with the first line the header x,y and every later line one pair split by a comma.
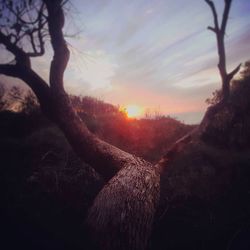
x,y
90,71
154,53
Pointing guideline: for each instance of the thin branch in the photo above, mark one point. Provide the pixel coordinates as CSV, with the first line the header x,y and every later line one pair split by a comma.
x,y
40,38
234,72
216,23
31,35
20,55
40,28
212,29
33,80
225,16
18,15
24,18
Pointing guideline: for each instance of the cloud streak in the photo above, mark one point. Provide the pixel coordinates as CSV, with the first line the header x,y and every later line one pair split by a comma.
x,y
152,53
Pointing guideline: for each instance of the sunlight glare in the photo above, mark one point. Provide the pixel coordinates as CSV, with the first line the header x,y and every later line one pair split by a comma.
x,y
133,111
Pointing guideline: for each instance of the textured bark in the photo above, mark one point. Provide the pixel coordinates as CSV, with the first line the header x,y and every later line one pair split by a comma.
x,y
105,158
55,103
123,212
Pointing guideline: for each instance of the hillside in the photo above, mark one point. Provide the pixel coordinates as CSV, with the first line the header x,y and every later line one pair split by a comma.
x,y
205,181
47,189
146,137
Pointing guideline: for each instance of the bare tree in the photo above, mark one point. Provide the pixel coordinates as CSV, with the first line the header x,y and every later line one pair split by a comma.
x,y
122,214
219,30
126,205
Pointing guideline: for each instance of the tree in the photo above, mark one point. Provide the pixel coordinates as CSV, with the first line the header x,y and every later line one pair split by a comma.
x,y
123,212
219,30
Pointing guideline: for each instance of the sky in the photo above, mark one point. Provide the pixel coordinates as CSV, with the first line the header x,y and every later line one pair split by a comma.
x,y
157,54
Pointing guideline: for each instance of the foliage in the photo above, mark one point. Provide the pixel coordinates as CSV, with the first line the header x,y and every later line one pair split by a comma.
x,y
18,100
243,75
216,98
47,189
148,138
242,79
30,103
48,183
229,122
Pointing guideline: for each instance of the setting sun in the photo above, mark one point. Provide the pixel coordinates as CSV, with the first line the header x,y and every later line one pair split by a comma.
x,y
133,111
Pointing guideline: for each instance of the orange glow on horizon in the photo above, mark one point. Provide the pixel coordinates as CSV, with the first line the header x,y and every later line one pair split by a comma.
x,y
133,111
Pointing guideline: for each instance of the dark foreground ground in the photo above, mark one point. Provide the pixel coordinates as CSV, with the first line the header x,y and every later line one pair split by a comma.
x,y
46,192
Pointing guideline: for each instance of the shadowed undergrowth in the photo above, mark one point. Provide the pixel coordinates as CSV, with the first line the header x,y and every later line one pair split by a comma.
x,y
204,191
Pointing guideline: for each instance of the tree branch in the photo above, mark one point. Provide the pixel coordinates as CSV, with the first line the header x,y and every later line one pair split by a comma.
x,y
20,55
56,105
225,16
33,80
212,29
40,37
9,70
216,23
61,51
220,34
234,72
32,41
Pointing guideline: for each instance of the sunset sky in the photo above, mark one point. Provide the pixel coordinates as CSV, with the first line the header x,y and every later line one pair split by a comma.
x,y
157,54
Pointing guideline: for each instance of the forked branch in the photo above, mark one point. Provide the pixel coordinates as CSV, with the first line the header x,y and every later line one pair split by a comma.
x,y
215,16
219,30
20,55
105,158
23,22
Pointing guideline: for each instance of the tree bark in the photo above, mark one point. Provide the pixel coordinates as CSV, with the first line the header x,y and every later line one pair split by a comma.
x,y
106,159
55,103
123,212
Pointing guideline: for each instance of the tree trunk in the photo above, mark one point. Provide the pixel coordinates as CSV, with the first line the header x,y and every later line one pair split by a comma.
x,y
106,159
225,88
103,157
220,30
123,212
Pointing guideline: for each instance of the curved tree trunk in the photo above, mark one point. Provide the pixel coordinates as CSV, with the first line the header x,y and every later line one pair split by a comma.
x,y
106,159
123,212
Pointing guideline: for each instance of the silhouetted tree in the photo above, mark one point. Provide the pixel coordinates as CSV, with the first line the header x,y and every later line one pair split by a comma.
x,y
219,30
132,194
122,214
